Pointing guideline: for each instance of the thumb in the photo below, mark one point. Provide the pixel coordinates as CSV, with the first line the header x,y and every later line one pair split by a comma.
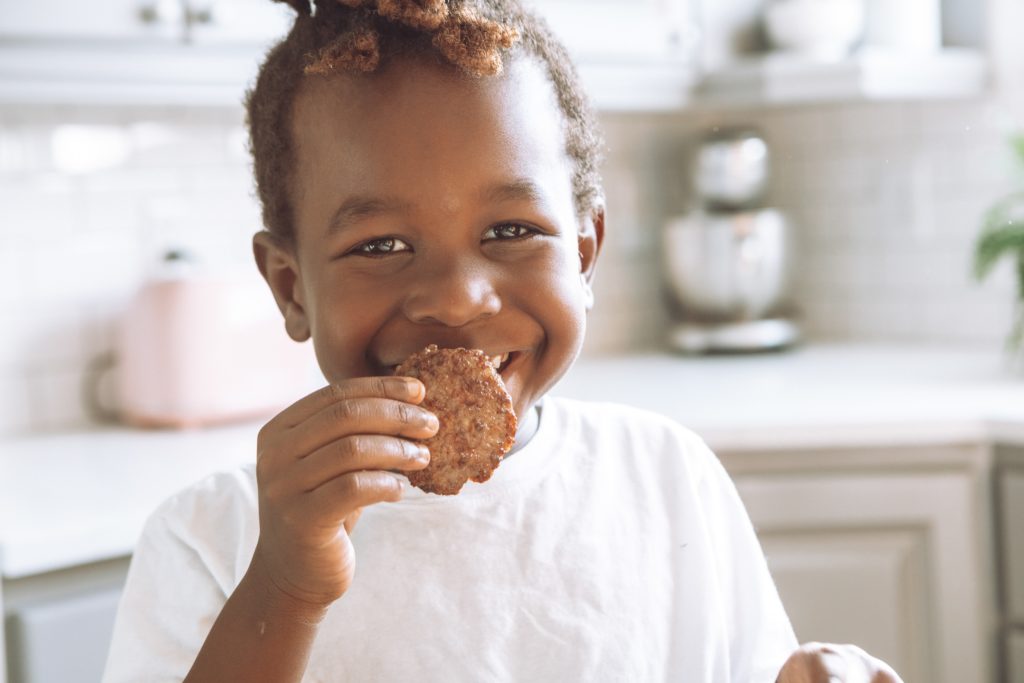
x,y
350,521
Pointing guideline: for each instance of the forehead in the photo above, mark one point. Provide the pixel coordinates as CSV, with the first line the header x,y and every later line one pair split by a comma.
x,y
427,128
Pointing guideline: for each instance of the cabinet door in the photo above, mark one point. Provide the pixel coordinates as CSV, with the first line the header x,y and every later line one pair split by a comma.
x,y
622,30
198,21
237,22
886,562
107,20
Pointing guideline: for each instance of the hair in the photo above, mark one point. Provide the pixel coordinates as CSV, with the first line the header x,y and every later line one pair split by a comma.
x,y
331,36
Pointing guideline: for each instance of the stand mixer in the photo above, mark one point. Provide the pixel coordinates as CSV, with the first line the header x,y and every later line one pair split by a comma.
x,y
727,262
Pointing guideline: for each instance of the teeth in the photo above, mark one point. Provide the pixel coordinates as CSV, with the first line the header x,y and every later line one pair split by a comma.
x,y
496,361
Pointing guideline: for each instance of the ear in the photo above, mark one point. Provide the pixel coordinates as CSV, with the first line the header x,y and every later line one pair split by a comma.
x,y
277,263
591,237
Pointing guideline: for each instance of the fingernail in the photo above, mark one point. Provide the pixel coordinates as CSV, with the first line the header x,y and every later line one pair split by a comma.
x,y
431,421
422,454
415,389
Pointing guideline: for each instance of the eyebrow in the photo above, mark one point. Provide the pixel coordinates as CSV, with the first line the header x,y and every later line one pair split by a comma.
x,y
519,189
360,207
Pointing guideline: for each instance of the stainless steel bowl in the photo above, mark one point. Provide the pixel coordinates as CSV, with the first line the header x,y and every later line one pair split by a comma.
x,y
728,266
731,169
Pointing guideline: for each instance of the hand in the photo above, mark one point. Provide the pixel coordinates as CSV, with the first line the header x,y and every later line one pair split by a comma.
x,y
319,462
828,663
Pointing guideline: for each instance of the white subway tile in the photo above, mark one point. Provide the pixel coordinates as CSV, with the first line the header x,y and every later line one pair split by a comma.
x,y
63,404
13,274
136,183
877,126
42,337
16,414
884,317
39,211
969,317
956,120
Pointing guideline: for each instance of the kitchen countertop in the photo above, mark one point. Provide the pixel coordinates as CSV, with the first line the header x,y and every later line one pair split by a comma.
x,y
72,498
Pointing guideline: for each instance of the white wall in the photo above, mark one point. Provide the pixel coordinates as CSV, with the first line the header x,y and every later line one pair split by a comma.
x,y
886,200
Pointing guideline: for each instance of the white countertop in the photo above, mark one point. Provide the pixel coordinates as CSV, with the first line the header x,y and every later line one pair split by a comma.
x,y
68,499
819,396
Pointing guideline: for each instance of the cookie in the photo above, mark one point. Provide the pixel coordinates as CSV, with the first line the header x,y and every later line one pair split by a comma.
x,y
477,422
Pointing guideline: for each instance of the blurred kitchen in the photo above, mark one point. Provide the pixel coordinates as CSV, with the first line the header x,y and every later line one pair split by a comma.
x,y
795,192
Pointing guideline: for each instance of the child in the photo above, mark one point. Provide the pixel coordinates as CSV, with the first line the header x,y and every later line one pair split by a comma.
x,y
428,174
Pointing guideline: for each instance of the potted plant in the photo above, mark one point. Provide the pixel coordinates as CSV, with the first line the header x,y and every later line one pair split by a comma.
x,y
1002,235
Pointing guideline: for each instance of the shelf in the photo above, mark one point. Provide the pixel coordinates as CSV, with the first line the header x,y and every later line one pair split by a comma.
x,y
875,75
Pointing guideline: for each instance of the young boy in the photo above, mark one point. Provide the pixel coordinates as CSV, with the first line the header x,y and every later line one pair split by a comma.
x,y
428,176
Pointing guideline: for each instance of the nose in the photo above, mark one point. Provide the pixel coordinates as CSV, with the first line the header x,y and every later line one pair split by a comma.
x,y
453,293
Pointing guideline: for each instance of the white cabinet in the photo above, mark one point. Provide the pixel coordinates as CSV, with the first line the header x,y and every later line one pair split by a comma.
x,y
741,72
623,30
632,54
125,21
1015,655
1010,526
58,624
1010,477
882,549
68,20
135,52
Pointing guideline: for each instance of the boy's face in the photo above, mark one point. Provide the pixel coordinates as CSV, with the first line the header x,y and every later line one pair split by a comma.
x,y
435,208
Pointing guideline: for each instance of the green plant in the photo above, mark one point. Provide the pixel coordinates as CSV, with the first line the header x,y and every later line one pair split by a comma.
x,y
1002,235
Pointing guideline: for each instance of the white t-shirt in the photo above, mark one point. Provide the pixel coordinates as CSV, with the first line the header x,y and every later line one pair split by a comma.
x,y
612,547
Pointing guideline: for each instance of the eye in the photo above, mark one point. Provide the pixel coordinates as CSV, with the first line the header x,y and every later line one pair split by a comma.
x,y
380,246
509,231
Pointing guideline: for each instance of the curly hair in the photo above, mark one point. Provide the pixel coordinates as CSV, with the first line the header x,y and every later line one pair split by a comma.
x,y
476,36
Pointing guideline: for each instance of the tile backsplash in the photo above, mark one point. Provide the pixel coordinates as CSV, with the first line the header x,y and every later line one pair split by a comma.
x,y
885,199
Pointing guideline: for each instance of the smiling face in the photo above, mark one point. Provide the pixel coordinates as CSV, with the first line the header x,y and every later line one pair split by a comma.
x,y
435,208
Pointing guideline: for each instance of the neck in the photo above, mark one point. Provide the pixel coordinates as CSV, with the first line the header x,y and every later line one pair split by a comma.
x,y
527,428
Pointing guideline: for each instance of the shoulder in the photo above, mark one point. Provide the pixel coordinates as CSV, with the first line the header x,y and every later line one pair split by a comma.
x,y
215,520
640,435
607,418
222,496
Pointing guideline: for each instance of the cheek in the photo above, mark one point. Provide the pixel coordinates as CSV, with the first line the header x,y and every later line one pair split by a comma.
x,y
561,295
342,326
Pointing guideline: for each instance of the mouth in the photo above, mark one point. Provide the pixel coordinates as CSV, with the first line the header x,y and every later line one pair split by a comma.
x,y
500,362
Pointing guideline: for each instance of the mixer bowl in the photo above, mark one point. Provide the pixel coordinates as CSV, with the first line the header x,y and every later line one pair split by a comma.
x,y
729,266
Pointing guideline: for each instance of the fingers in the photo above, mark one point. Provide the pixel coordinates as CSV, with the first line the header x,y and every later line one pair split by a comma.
x,y
395,388
352,416
347,417
350,521
359,452
830,663
342,496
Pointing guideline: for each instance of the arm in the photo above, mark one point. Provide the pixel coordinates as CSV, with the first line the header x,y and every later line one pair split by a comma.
x,y
259,635
319,462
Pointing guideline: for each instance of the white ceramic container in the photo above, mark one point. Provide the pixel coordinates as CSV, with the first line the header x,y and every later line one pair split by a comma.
x,y
819,29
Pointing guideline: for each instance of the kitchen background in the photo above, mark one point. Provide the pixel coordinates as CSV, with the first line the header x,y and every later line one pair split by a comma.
x,y
885,198
881,462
